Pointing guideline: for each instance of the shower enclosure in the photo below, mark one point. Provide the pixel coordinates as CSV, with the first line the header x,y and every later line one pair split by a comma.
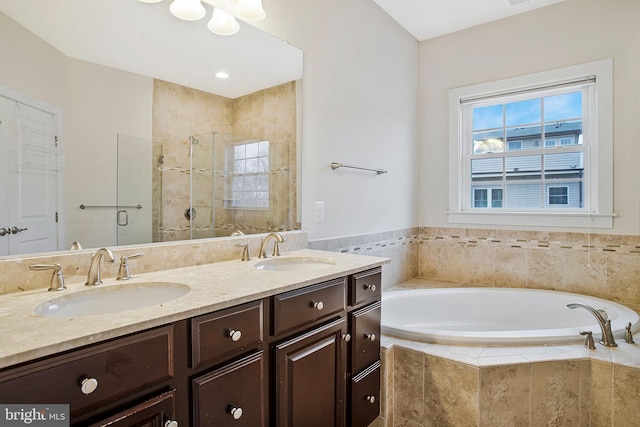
x,y
230,183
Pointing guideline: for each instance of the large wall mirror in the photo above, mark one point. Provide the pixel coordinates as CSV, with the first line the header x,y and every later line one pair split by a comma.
x,y
129,136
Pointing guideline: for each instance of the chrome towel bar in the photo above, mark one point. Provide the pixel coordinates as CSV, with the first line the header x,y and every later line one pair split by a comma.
x,y
336,165
104,207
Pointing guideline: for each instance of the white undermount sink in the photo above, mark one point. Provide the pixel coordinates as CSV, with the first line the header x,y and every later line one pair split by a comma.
x,y
294,263
112,299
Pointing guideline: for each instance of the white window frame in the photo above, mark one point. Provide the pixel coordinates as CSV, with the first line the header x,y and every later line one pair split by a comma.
x,y
598,212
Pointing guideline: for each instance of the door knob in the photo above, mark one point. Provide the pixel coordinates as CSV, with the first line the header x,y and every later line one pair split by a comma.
x,y
16,230
4,231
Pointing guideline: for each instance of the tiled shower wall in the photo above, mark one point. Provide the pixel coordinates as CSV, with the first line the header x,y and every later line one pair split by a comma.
x,y
605,266
179,111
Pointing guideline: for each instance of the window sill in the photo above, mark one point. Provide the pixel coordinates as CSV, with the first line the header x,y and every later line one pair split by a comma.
x,y
534,219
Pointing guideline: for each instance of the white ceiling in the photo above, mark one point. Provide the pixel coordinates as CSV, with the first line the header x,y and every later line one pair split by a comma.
x,y
426,19
146,39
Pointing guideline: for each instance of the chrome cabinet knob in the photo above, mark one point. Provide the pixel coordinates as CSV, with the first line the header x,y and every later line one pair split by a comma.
x,y
317,305
4,231
88,385
16,230
372,288
370,337
235,335
171,423
236,413
346,337
370,398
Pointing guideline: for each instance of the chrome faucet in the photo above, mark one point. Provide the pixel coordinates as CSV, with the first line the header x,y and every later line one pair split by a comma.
x,y
262,253
93,277
605,324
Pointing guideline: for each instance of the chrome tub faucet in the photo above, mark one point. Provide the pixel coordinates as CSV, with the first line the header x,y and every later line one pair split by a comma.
x,y
605,324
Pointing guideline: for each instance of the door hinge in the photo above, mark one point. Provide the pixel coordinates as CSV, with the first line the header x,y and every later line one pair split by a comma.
x,y
55,140
56,216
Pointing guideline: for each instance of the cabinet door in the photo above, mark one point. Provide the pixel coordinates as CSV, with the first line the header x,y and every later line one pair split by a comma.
x,y
154,412
232,395
310,378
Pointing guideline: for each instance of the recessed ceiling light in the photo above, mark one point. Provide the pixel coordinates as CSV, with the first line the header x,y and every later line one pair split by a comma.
x,y
222,75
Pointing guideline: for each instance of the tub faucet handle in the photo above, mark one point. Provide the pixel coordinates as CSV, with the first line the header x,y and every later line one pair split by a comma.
x,y
588,343
628,337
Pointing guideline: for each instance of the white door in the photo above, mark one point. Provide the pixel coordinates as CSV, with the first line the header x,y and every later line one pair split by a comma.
x,y
31,171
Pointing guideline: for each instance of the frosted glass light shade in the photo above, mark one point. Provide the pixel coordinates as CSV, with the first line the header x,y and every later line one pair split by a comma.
x,y
222,23
250,10
189,10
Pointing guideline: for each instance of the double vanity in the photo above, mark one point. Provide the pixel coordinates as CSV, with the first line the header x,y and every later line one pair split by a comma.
x,y
287,341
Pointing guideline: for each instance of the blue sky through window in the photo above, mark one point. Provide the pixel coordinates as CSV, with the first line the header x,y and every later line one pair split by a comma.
x,y
556,108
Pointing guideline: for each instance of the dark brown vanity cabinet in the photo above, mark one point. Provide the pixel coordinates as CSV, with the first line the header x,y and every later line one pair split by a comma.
x,y
304,358
120,376
364,347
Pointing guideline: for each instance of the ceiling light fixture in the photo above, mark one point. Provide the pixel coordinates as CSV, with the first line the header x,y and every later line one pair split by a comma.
x,y
223,19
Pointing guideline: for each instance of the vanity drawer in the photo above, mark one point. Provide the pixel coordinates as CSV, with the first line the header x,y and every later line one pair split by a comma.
x,y
232,395
365,397
116,369
226,333
365,286
364,326
297,308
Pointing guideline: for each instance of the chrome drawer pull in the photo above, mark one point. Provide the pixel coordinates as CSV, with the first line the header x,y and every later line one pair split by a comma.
x,y
171,423
317,305
235,335
370,337
372,288
370,399
236,413
88,385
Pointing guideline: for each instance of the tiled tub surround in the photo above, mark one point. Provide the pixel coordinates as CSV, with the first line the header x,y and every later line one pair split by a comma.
x,y
215,286
605,266
400,246
426,384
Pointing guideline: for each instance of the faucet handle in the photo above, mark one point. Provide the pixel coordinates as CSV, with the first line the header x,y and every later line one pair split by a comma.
x,y
57,278
628,337
246,256
276,249
123,271
588,343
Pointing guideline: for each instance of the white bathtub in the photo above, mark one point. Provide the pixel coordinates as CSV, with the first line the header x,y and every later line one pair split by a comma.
x,y
497,316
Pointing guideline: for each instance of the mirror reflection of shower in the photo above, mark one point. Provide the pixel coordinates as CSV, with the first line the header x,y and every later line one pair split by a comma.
x,y
234,184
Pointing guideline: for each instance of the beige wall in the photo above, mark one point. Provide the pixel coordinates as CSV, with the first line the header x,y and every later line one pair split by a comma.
x,y
568,33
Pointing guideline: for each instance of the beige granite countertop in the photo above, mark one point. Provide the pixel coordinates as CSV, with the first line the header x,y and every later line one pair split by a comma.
x,y
26,335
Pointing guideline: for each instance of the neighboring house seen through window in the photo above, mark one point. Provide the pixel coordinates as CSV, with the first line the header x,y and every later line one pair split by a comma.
x,y
533,147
